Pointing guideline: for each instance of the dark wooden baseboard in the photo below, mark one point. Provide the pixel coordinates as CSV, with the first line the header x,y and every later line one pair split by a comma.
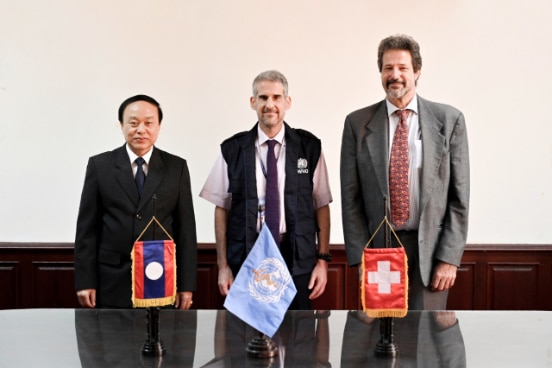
x,y
491,277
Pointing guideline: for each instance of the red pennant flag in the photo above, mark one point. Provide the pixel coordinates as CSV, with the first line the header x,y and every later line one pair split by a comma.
x,y
384,285
153,273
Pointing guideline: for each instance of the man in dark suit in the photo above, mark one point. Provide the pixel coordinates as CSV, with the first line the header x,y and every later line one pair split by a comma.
x,y
435,199
113,213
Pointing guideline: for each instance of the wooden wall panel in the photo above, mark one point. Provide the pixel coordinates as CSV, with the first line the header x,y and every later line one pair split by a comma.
x,y
498,277
9,284
463,294
513,286
334,294
52,283
207,295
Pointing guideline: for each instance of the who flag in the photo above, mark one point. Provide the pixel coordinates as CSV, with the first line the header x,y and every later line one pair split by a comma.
x,y
263,289
153,273
384,285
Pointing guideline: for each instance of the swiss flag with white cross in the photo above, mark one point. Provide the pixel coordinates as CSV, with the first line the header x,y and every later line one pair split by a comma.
x,y
384,286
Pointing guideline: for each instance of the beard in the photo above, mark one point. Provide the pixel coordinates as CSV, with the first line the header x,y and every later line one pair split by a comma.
x,y
397,93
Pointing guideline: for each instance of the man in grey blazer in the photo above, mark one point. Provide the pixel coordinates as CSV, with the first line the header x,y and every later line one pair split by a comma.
x,y
113,213
435,229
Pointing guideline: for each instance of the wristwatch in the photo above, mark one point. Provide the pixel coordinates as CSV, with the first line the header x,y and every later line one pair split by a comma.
x,y
324,256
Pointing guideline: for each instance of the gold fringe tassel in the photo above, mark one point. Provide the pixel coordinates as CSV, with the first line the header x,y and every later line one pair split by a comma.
x,y
375,313
157,302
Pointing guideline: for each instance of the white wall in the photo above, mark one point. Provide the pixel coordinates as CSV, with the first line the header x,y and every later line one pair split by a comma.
x,y
66,65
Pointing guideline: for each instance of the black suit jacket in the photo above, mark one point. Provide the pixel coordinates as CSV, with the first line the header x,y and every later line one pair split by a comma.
x,y
112,215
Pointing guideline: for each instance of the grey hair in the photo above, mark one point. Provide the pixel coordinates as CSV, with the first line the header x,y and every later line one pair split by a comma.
x,y
271,76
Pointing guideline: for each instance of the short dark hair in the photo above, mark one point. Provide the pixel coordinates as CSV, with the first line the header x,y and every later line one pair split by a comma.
x,y
400,42
137,98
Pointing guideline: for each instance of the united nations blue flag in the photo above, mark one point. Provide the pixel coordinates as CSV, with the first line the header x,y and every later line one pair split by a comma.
x,y
263,288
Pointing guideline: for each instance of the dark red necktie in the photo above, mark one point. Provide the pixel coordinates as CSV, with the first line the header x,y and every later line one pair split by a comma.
x,y
398,172
272,199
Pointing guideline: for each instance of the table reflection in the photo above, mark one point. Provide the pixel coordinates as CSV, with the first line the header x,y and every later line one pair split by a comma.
x,y
208,338
302,341
114,338
424,339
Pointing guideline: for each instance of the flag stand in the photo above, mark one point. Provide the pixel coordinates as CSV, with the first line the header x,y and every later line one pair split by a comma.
x,y
262,347
386,346
153,346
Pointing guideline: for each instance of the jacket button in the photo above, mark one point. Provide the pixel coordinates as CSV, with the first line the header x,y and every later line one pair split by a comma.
x,y
138,216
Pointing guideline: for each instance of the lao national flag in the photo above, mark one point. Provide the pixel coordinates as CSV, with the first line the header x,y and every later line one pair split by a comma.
x,y
384,286
263,288
153,273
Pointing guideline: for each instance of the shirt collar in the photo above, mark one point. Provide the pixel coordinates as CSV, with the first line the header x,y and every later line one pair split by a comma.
x,y
278,138
413,105
133,156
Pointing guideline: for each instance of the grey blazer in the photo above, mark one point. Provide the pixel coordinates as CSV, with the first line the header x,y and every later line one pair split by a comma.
x,y
445,182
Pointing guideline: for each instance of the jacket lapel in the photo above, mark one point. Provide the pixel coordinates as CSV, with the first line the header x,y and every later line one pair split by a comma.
x,y
433,143
153,178
377,145
124,174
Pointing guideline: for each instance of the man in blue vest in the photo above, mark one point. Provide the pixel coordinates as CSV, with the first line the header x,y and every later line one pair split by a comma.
x,y
237,187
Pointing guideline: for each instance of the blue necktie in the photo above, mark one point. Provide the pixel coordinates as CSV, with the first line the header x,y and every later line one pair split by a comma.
x,y
272,199
140,177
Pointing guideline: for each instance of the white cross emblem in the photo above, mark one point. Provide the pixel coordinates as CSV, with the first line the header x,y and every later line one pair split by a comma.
x,y
384,277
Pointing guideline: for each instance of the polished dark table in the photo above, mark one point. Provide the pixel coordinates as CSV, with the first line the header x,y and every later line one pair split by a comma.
x,y
211,338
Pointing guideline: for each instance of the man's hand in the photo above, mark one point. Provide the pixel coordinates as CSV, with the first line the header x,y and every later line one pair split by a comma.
x,y
318,279
444,275
87,298
183,300
225,280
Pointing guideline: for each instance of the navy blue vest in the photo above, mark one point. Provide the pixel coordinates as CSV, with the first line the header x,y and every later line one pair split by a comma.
x,y
302,155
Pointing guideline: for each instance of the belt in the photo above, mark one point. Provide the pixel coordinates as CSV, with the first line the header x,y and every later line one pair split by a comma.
x,y
406,233
406,237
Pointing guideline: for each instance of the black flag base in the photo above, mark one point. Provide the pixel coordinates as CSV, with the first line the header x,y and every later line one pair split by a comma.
x,y
262,347
153,346
386,347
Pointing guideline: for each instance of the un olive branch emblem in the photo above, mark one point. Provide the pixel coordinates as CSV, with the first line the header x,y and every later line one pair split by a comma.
x,y
269,281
